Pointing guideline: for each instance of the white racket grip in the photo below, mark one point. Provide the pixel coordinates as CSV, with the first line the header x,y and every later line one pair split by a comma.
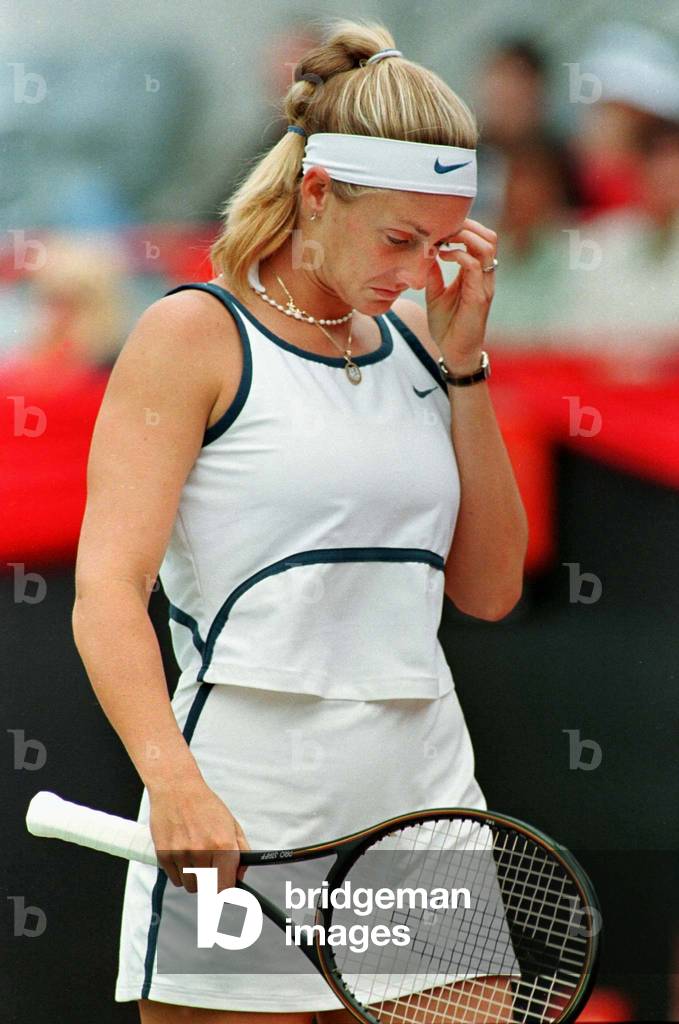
x,y
50,816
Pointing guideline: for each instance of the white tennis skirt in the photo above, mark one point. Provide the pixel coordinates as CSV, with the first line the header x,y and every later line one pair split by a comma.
x,y
295,770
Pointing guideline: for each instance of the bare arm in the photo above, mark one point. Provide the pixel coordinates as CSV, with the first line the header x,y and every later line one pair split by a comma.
x,y
484,569
147,436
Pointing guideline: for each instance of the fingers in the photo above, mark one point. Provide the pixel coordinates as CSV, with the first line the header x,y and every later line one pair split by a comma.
x,y
193,836
473,268
479,240
243,844
225,860
481,229
167,863
194,859
174,862
228,870
479,247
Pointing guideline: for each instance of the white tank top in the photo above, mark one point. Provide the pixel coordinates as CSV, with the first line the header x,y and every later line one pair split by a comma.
x,y
309,544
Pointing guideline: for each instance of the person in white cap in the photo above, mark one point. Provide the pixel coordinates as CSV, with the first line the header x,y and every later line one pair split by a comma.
x,y
314,471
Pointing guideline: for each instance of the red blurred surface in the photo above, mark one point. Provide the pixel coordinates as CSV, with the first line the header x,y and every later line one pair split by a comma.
x,y
605,1006
544,400
46,424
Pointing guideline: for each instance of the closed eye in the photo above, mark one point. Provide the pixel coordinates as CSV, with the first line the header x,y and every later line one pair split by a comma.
x,y
406,241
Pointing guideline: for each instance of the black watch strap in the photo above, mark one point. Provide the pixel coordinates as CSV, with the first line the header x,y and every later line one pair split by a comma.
x,y
465,379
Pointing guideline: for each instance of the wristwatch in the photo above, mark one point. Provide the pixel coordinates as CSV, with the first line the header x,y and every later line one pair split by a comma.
x,y
464,379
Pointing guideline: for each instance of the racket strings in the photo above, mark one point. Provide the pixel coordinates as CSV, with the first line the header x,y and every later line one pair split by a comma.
x,y
514,955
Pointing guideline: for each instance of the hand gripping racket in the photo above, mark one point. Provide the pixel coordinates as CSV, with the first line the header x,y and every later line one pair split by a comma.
x,y
521,947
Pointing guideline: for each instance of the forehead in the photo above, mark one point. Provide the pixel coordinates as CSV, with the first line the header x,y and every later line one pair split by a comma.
x,y
419,212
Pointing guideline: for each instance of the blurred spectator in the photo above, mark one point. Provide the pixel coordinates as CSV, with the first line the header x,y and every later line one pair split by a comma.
x,y
609,157
627,81
605,288
628,294
511,105
78,318
511,102
540,204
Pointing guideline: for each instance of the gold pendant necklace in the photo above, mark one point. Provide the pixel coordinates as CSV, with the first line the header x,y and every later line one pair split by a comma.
x,y
352,371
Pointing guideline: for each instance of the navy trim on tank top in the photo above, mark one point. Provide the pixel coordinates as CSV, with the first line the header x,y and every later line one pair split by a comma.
x,y
313,557
380,353
418,348
230,414
184,619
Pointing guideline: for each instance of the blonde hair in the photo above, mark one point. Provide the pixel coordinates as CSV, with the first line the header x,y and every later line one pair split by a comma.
x,y
334,91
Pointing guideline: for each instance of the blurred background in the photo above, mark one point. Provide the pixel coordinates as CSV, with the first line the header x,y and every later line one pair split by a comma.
x,y
122,130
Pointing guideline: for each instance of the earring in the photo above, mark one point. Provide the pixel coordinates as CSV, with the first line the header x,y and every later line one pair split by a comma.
x,y
312,217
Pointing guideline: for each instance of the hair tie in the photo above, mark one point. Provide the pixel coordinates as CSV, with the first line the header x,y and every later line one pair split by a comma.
x,y
380,56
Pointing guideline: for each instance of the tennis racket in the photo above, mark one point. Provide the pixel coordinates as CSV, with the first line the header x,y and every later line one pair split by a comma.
x,y
527,952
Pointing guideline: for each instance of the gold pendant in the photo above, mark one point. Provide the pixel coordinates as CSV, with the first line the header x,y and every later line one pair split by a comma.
x,y
353,371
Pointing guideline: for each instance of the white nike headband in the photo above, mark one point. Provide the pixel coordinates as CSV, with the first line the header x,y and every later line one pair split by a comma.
x,y
393,163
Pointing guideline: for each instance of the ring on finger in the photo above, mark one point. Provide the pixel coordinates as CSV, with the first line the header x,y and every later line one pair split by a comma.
x,y
489,270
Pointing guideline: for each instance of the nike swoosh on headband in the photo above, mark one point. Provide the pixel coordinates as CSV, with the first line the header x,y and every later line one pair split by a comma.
x,y
442,169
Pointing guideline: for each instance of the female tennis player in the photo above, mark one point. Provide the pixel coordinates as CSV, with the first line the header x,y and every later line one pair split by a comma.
x,y
308,463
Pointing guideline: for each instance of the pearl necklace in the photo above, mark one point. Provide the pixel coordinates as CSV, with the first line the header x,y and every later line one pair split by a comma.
x,y
298,314
352,371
